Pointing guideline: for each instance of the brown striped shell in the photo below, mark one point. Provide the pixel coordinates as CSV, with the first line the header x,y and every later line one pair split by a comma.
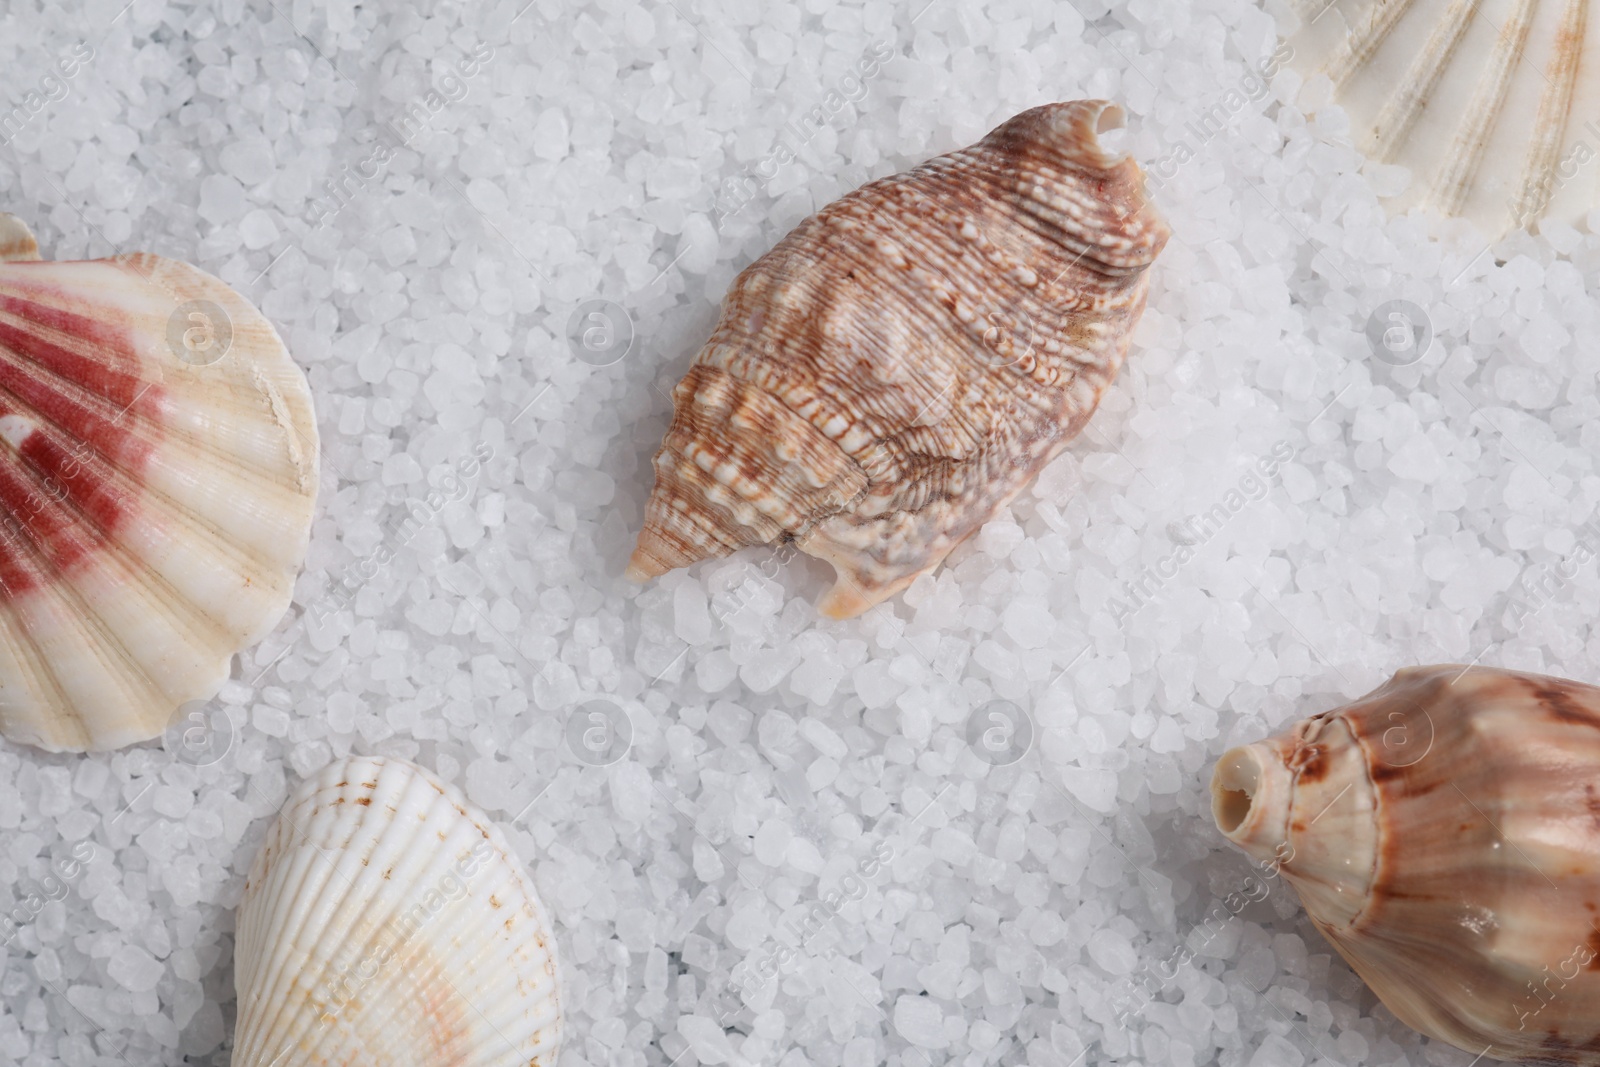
x,y
1443,833
906,360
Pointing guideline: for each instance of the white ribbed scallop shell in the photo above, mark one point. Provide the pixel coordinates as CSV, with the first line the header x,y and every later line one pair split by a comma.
x,y
1494,105
386,923
157,499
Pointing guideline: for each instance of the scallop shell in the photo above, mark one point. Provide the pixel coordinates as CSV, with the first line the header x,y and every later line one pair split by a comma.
x,y
1443,833
387,923
158,471
1493,106
900,365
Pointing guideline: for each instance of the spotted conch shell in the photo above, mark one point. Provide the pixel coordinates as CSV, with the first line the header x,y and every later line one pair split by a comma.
x,y
900,365
158,471
386,921
1443,833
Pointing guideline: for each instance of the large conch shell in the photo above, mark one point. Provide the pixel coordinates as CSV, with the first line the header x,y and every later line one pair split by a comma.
x,y
387,923
1493,107
158,470
900,365
1443,833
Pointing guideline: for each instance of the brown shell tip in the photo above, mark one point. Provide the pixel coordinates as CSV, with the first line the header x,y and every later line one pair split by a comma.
x,y
843,601
657,551
642,566
17,242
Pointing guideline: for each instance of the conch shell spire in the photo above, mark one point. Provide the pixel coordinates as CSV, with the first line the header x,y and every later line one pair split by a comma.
x,y
900,365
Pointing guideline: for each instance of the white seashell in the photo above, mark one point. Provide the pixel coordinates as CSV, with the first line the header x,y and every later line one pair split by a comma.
x,y
158,468
1493,106
386,923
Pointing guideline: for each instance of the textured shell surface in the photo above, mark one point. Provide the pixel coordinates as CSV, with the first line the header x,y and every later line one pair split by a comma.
x,y
1493,105
1443,833
387,923
907,359
158,472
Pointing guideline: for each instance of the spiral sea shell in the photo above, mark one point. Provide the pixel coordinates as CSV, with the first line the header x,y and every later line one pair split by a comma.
x,y
387,922
158,468
1493,107
1443,833
900,365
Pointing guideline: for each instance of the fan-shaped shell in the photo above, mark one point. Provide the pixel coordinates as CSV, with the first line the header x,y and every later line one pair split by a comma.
x,y
158,469
1493,105
900,365
387,923
1443,833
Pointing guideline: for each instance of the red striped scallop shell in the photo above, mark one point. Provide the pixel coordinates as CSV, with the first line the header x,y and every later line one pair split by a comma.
x,y
158,467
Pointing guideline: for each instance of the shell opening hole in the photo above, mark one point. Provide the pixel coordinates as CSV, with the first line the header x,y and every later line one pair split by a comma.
x,y
1238,777
1113,136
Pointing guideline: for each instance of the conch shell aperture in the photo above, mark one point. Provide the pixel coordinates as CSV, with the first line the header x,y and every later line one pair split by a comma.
x,y
906,360
1443,833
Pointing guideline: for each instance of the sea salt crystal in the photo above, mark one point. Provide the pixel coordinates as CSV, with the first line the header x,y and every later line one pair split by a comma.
x,y
274,722
1275,1051
708,1041
823,738
221,198
636,929
691,614
135,969
729,722
632,791
1094,788
1112,952
550,134
249,159
257,229
89,778
55,791
772,842
920,1021
747,927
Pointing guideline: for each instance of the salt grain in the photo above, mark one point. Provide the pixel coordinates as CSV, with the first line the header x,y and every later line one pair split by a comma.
x,y
133,968
919,1021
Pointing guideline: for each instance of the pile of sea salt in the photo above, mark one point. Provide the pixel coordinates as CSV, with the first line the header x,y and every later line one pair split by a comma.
x,y
970,827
